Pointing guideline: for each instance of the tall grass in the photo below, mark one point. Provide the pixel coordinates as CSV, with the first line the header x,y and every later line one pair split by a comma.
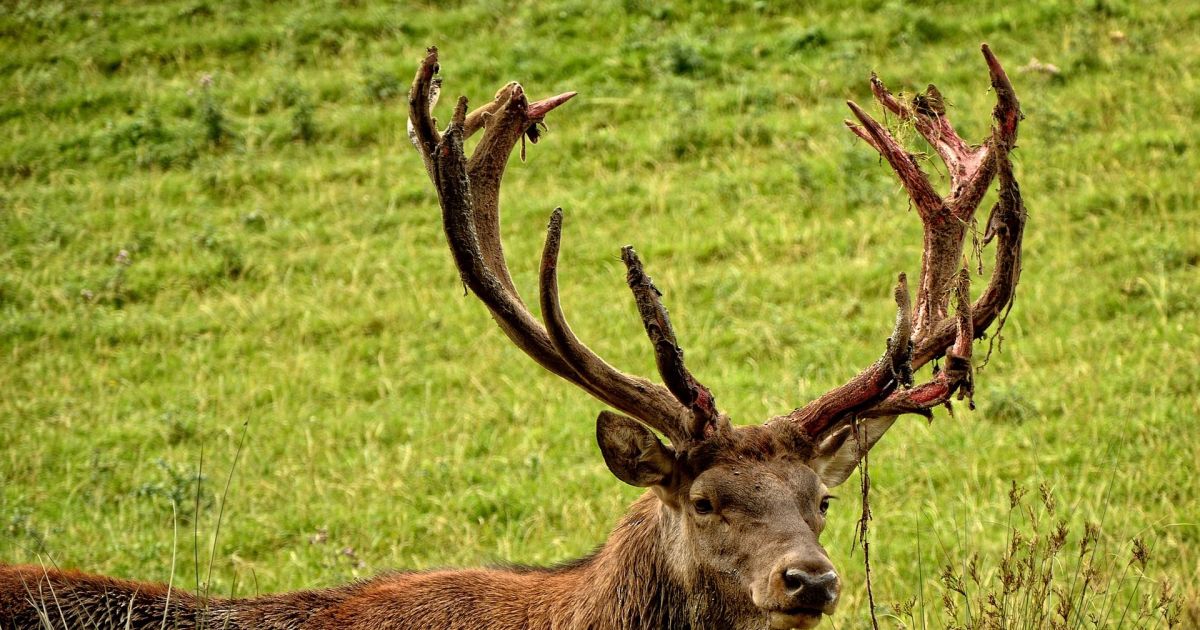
x,y
1055,572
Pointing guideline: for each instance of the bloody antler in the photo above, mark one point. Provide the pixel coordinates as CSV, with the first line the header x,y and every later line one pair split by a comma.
x,y
878,391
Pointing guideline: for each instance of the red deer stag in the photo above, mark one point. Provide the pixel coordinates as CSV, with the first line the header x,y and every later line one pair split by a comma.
x,y
727,535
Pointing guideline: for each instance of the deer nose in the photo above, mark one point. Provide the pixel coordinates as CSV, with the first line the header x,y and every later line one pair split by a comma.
x,y
806,589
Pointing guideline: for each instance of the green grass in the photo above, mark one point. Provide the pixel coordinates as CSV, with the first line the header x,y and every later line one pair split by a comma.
x,y
285,268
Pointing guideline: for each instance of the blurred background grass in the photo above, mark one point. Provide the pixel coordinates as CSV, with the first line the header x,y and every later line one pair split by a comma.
x,y
284,268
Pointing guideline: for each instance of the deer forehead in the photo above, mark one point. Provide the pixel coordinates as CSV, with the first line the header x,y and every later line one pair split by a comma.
x,y
760,486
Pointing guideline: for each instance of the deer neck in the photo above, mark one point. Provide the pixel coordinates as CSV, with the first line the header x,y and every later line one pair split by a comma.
x,y
645,577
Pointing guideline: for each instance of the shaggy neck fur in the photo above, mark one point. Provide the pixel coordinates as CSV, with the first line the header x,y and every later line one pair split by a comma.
x,y
644,577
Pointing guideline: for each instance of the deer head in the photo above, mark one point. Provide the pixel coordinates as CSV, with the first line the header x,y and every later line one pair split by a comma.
x,y
745,505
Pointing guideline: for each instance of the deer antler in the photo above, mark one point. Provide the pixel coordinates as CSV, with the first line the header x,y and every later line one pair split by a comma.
x,y
469,193
684,410
876,392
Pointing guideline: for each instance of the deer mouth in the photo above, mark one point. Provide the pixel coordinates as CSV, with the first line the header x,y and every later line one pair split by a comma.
x,y
795,619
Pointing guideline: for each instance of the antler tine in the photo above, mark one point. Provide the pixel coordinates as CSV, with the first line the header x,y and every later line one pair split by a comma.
x,y
667,353
1008,109
929,203
422,128
870,386
633,395
1007,115
504,126
928,114
508,117
477,119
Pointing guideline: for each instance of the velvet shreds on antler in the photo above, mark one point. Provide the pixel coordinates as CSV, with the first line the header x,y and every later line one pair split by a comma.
x,y
946,221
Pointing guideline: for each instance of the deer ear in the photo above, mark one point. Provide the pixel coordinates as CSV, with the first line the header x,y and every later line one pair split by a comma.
x,y
837,455
633,453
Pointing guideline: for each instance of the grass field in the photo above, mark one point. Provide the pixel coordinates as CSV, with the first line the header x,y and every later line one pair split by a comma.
x,y
284,271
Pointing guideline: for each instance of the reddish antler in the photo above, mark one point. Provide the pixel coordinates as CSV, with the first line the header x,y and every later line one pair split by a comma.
x,y
684,410
876,392
469,192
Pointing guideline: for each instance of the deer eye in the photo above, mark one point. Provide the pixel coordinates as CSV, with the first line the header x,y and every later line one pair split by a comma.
x,y
825,505
702,506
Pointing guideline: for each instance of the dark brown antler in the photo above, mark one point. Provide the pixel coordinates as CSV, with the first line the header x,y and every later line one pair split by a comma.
x,y
881,390
469,193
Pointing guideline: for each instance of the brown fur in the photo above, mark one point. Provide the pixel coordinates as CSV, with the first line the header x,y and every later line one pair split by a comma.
x,y
629,583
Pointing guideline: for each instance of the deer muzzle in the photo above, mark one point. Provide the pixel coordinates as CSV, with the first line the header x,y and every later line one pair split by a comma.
x,y
796,596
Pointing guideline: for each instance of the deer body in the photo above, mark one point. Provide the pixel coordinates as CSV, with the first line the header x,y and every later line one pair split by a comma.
x,y
727,537
631,582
